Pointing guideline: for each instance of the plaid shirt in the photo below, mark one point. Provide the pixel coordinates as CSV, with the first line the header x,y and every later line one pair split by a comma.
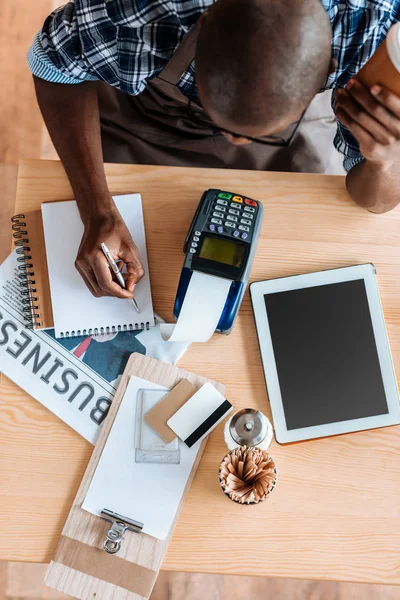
x,y
127,42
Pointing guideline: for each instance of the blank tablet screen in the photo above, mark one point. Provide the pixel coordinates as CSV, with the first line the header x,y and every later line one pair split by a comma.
x,y
325,353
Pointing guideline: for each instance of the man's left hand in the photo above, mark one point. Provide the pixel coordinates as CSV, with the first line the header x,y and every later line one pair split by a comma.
x,y
373,117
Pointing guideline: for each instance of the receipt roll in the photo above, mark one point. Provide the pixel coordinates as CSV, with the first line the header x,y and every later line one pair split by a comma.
x,y
201,309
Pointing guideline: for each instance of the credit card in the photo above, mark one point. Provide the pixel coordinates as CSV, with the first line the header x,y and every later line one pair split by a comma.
x,y
199,415
158,416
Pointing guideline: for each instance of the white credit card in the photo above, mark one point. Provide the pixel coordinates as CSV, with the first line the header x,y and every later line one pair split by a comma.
x,y
199,415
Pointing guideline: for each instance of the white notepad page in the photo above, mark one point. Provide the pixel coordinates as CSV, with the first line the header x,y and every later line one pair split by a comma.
x,y
146,492
75,309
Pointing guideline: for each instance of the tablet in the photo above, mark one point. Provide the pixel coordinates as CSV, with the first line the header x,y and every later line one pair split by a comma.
x,y
325,353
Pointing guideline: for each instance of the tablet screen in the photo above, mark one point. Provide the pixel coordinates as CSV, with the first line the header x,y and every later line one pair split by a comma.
x,y
325,353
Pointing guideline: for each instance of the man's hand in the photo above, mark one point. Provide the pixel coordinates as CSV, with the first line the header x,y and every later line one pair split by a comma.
x,y
92,264
373,117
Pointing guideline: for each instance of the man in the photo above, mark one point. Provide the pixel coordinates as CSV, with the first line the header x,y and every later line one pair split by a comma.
x,y
115,80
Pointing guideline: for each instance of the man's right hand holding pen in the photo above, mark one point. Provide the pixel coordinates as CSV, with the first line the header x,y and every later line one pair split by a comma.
x,y
92,263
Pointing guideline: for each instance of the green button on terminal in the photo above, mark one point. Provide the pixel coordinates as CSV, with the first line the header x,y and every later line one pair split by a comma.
x,y
225,196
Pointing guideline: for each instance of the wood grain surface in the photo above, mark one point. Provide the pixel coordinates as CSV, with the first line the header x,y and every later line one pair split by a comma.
x,y
85,528
24,581
335,511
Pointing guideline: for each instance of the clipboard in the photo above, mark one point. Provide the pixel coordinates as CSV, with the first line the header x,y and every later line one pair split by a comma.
x,y
81,567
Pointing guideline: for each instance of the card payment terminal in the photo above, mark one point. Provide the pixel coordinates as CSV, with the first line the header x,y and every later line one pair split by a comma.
x,y
222,241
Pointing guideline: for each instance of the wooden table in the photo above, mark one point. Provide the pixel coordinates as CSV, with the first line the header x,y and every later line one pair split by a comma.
x,y
336,509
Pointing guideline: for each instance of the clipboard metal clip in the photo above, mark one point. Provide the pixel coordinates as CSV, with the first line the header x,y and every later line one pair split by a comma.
x,y
119,525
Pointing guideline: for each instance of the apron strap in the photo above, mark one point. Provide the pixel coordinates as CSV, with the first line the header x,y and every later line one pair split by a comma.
x,y
182,57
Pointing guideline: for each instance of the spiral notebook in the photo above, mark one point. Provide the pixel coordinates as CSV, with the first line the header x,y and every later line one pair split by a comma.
x,y
55,293
33,274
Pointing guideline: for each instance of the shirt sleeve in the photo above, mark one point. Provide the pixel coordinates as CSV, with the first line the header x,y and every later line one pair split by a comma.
x,y
347,145
349,162
56,54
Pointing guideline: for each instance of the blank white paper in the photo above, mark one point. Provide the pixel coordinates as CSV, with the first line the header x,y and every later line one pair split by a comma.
x,y
149,493
74,307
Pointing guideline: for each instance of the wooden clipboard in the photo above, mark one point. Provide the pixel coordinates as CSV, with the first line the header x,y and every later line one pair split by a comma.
x,y
81,567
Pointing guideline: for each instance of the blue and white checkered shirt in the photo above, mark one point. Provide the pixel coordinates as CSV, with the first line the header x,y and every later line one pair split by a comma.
x,y
127,42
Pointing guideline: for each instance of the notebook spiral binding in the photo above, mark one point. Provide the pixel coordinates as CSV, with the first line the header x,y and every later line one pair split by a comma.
x,y
105,330
26,275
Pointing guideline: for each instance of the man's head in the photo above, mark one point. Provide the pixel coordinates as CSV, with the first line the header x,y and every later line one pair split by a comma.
x,y
260,62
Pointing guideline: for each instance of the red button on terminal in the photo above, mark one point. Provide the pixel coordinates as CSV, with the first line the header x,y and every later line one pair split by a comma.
x,y
250,202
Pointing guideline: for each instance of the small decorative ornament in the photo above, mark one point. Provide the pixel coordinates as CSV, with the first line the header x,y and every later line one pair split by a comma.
x,y
247,475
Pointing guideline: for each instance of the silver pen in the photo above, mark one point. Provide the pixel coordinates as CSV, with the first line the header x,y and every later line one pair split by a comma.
x,y
117,272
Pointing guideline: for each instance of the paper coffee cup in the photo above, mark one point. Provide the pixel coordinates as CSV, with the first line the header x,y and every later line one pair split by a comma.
x,y
383,68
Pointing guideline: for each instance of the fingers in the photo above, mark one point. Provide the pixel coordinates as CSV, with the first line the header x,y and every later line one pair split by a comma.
x,y
96,274
94,268
135,274
380,103
362,110
134,269
387,99
104,279
376,110
364,138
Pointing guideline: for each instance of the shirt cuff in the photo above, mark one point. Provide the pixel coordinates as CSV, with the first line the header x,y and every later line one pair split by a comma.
x,y
41,66
351,161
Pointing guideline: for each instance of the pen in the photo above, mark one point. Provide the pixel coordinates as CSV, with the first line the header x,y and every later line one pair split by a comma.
x,y
117,272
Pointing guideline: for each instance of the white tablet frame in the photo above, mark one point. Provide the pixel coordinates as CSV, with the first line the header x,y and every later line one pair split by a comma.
x,y
367,272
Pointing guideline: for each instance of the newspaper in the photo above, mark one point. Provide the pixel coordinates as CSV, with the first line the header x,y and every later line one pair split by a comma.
x,y
76,378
